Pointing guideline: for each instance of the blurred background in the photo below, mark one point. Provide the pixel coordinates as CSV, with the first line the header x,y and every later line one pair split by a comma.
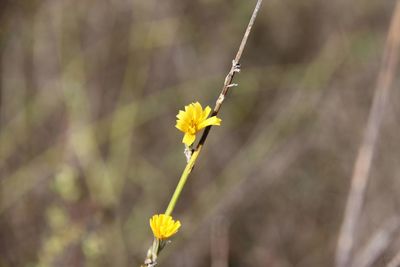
x,y
89,91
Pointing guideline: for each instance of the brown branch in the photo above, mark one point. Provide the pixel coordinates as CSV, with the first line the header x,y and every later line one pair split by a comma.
x,y
362,165
234,69
153,251
395,262
219,242
378,243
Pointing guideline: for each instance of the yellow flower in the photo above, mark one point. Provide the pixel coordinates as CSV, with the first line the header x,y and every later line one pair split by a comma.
x,y
164,226
192,120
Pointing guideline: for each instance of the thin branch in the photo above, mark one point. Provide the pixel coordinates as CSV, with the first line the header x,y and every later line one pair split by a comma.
x,y
219,242
227,84
378,243
151,259
234,69
395,262
362,165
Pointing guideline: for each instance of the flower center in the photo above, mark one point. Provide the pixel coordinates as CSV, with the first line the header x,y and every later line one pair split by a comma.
x,y
192,127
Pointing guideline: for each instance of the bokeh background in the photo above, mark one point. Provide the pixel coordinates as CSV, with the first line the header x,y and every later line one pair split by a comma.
x,y
89,91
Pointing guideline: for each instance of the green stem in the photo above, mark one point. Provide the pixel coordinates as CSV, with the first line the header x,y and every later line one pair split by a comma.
x,y
185,174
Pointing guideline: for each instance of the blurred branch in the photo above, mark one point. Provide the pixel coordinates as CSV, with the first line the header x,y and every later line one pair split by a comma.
x,y
272,147
378,243
28,177
220,242
41,161
395,262
249,188
362,165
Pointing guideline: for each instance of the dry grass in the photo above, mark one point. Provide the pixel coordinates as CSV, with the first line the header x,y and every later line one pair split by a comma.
x,y
88,149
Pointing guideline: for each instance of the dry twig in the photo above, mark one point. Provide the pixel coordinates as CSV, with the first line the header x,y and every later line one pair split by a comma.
x,y
395,262
228,83
378,243
362,165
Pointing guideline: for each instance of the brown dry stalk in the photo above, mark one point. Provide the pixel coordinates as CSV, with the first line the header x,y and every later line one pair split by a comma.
x,y
363,161
235,68
395,262
151,259
377,244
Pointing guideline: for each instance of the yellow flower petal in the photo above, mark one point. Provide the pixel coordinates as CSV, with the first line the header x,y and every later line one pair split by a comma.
x,y
189,110
163,226
188,139
198,111
182,126
206,112
181,115
210,121
193,119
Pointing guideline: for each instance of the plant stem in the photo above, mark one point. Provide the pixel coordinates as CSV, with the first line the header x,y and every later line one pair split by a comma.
x,y
188,169
225,88
229,78
363,163
227,84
